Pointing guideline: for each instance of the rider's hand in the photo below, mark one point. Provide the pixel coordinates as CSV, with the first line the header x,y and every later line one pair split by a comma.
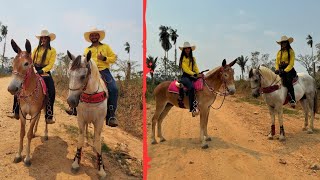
x,y
40,71
195,75
276,72
101,57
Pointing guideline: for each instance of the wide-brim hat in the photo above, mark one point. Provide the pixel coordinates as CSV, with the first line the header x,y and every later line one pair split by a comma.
x,y
285,38
94,30
44,33
187,45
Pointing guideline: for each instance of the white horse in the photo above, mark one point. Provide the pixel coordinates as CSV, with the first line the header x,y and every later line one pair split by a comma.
x,y
266,81
87,92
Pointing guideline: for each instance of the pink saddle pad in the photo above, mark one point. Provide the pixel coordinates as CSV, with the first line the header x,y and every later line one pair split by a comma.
x,y
198,85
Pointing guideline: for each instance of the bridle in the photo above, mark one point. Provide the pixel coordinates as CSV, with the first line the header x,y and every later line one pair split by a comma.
x,y
84,86
261,77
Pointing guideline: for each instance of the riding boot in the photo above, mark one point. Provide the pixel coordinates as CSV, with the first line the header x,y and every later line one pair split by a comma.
x,y
292,97
111,119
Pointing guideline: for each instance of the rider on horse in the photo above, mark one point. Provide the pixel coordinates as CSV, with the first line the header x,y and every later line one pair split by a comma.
x,y
190,73
284,66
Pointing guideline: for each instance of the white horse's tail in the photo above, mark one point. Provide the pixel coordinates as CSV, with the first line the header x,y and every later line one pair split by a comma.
x,y
315,102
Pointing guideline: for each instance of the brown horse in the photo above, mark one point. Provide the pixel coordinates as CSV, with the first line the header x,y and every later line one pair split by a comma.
x,y
213,80
27,85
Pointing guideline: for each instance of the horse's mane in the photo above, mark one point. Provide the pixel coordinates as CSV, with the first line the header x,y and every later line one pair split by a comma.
x,y
96,74
213,71
267,73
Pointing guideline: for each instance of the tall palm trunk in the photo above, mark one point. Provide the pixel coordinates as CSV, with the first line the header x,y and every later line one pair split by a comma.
x,y
175,54
4,50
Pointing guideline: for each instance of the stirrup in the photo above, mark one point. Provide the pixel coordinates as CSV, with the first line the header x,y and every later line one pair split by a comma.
x,y
195,112
292,103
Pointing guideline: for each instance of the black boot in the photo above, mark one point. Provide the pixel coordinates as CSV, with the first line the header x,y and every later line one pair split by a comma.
x,y
111,119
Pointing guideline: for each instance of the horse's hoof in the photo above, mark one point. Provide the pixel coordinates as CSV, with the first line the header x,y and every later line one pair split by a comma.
x,y
205,146
27,163
45,138
154,142
270,137
282,138
75,170
208,139
17,159
102,175
33,136
310,131
304,129
162,140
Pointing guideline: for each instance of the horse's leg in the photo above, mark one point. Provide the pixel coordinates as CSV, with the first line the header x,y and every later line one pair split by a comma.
x,y
204,144
206,136
282,136
160,120
35,128
97,144
27,161
76,161
46,132
86,141
159,108
272,115
311,108
306,113
18,157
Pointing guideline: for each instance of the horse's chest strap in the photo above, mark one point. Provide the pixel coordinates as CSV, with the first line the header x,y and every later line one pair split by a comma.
x,y
93,98
270,89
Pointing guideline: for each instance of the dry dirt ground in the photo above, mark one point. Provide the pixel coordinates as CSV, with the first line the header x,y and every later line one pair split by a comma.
x,y
52,159
239,148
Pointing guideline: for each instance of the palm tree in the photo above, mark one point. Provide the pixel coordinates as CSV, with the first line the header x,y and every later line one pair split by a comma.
x,y
4,32
151,64
174,36
127,48
241,61
310,43
165,43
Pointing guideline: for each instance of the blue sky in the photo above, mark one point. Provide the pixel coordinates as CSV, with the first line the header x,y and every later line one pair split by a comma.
x,y
230,28
69,19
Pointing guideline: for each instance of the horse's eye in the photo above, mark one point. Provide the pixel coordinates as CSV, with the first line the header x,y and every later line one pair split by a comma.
x,y
256,81
225,75
82,77
26,64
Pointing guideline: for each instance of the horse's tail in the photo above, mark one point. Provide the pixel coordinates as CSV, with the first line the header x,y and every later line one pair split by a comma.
x,y
315,102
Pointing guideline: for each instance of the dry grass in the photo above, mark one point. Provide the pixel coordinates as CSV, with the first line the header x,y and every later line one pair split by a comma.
x,y
129,112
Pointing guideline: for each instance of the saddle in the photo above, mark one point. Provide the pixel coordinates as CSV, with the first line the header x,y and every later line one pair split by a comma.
x,y
175,86
273,88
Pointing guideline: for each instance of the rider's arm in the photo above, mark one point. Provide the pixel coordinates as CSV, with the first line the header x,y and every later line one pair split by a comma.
x,y
291,61
52,59
195,66
278,60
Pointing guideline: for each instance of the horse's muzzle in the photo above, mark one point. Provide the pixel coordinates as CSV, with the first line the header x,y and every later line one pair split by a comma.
x,y
14,87
73,101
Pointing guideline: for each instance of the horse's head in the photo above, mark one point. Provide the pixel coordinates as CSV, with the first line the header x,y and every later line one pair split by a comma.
x,y
21,66
255,82
79,73
227,75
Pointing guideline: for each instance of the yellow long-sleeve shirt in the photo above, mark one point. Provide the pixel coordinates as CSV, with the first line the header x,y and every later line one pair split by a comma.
x,y
187,66
106,51
285,59
48,62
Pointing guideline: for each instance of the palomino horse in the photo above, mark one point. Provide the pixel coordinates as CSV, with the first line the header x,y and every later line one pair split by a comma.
x,y
266,81
213,80
28,86
87,92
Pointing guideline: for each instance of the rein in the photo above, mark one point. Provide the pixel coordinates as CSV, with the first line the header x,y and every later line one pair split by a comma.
x,y
212,90
262,88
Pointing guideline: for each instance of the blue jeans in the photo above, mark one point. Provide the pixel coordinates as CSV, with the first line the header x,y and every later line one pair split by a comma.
x,y
113,92
188,82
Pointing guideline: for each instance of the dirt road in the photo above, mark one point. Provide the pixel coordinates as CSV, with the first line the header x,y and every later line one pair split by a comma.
x,y
239,148
52,159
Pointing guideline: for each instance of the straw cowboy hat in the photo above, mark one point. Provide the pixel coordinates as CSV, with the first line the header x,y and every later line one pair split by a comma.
x,y
285,38
94,30
186,45
46,33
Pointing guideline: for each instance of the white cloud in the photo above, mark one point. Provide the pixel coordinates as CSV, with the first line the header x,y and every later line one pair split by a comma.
x,y
270,33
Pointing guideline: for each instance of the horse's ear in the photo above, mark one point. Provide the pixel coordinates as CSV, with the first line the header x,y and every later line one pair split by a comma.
x,y
15,47
250,73
155,60
28,46
233,62
88,56
71,56
224,63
